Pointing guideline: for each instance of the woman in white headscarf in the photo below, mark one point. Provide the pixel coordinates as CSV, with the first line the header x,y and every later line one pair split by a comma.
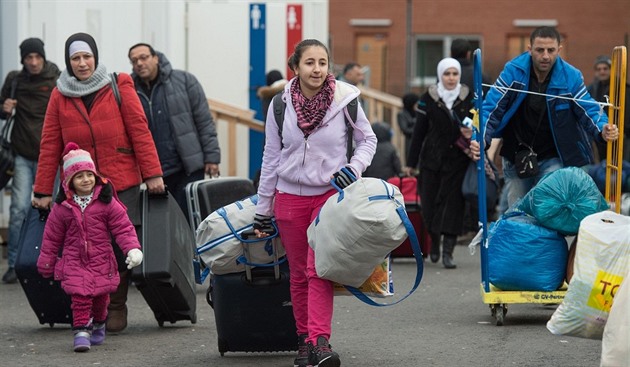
x,y
440,143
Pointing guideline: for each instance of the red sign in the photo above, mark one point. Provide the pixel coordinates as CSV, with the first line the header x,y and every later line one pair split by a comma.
x,y
294,31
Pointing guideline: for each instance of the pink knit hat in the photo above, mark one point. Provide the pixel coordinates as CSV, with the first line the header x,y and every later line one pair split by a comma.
x,y
75,160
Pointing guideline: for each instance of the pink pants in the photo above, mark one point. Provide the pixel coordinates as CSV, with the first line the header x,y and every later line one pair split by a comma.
x,y
84,308
311,296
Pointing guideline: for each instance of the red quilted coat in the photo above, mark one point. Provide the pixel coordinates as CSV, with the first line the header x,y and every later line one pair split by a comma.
x,y
118,138
87,265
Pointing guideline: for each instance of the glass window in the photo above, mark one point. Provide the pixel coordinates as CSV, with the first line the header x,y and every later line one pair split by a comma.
x,y
428,51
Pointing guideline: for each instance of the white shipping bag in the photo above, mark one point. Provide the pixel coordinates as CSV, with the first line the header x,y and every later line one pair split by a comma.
x,y
356,229
602,260
220,245
616,340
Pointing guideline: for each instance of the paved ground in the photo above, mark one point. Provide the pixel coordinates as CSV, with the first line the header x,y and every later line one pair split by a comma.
x,y
444,323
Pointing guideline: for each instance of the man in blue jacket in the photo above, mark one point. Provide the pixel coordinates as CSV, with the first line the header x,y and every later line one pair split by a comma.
x,y
179,119
539,103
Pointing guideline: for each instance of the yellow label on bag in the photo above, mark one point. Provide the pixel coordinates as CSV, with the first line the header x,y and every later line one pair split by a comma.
x,y
603,291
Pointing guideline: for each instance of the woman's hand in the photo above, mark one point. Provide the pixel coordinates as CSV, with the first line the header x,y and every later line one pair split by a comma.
x,y
42,203
155,185
466,132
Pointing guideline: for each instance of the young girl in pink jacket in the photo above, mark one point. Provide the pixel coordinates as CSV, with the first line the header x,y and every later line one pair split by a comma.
x,y
80,224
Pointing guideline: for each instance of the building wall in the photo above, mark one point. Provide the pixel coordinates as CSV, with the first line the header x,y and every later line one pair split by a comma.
x,y
590,28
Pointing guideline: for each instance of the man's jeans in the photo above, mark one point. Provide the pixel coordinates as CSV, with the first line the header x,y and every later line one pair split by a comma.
x,y
517,187
21,189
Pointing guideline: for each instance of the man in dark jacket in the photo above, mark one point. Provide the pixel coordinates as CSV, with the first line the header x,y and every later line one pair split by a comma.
x,y
179,119
600,90
26,93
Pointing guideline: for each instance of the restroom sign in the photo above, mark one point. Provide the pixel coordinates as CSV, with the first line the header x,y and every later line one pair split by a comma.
x,y
294,31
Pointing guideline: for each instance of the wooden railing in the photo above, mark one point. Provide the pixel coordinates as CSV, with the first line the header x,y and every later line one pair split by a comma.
x,y
234,123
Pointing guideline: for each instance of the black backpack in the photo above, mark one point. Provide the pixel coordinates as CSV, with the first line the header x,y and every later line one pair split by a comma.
x,y
278,111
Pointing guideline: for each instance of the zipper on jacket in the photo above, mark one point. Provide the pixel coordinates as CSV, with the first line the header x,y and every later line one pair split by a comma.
x,y
303,159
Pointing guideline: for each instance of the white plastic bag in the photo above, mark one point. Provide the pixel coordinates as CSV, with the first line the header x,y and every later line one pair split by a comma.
x,y
616,340
602,260
356,229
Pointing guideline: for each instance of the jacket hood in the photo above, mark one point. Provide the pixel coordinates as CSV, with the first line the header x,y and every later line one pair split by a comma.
x,y
344,93
382,131
271,90
164,64
104,191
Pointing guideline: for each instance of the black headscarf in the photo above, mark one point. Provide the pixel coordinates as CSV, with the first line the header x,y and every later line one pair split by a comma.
x,y
80,37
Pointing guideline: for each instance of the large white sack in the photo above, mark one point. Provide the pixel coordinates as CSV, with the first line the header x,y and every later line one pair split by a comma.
x,y
616,340
602,260
356,229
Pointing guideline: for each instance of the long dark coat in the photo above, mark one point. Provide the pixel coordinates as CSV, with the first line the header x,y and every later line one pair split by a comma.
x,y
442,164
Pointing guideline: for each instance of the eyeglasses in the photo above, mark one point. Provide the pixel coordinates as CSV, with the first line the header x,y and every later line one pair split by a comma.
x,y
142,58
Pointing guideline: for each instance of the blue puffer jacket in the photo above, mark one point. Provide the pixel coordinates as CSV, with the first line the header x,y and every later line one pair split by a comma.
x,y
575,122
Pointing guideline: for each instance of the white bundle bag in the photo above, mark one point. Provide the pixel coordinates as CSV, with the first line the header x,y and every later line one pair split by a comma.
x,y
602,260
220,244
356,229
616,340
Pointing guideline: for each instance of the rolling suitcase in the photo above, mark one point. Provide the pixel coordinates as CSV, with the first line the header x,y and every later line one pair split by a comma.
x,y
50,303
206,196
409,188
165,278
253,310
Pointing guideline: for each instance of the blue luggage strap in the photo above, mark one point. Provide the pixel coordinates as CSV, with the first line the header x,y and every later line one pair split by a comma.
x,y
201,275
415,244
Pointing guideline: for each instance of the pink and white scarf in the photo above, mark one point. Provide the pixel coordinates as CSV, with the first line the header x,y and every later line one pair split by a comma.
x,y
311,112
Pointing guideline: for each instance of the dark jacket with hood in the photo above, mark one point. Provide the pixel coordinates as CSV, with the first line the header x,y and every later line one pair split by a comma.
x,y
32,93
386,162
179,119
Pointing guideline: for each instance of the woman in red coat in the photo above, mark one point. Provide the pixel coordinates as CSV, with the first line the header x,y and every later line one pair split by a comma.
x,y
84,110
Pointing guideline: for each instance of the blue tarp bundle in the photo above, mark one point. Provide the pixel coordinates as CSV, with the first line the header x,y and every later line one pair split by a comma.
x,y
562,198
524,256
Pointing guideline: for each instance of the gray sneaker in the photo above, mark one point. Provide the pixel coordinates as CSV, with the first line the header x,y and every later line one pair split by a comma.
x,y
321,355
302,358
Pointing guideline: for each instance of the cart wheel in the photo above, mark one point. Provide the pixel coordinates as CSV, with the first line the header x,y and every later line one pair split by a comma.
x,y
499,313
51,324
161,323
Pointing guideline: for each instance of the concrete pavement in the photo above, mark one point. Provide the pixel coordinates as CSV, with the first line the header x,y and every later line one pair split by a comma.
x,y
444,323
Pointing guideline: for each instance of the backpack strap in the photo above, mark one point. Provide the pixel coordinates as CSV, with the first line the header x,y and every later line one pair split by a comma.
x,y
278,113
352,111
13,86
113,77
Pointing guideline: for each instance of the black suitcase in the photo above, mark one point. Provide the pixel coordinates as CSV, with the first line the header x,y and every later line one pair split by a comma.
x,y
206,196
50,303
165,278
253,310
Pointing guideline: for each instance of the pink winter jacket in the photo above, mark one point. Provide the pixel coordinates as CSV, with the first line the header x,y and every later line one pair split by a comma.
x,y
87,265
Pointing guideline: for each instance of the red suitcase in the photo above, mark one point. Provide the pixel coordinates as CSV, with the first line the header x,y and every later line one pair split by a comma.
x,y
409,188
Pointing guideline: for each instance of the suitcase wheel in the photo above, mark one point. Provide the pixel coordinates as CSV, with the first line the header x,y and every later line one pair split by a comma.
x,y
223,346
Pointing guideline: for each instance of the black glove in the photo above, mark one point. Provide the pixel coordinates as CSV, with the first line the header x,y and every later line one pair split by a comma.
x,y
263,224
344,177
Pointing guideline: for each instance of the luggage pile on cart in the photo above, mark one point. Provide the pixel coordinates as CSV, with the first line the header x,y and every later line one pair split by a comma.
x,y
524,254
